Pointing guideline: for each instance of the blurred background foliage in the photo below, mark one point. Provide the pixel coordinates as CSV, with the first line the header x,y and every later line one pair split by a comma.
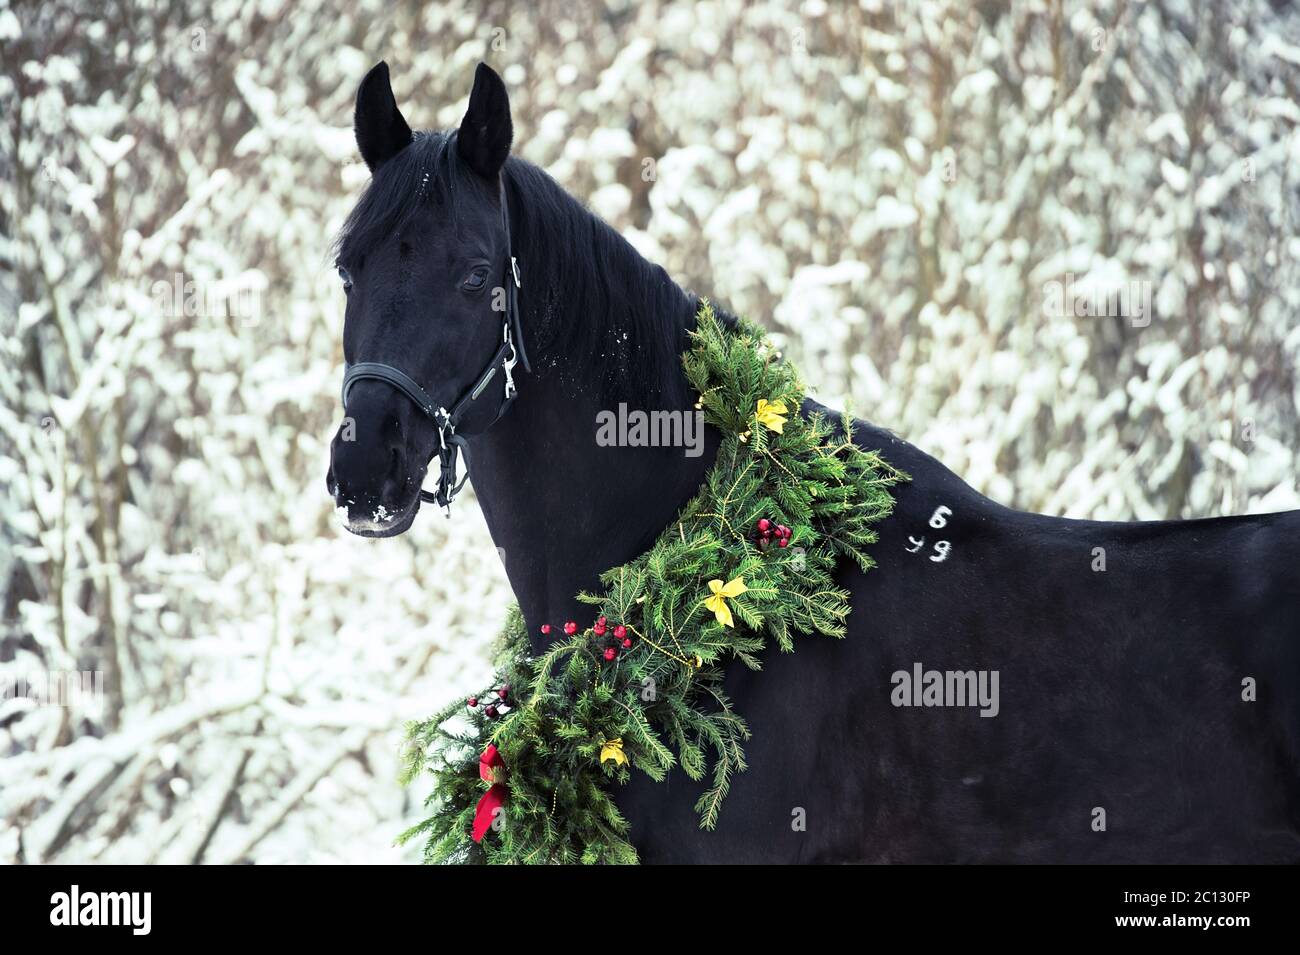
x,y
892,188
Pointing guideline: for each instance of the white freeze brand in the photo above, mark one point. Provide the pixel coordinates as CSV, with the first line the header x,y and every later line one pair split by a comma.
x,y
103,908
946,688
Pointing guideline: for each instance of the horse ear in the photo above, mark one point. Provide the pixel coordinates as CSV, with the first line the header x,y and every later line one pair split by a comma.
x,y
486,131
381,131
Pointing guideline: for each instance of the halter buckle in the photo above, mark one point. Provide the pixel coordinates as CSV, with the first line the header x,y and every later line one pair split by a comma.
x,y
510,360
446,482
509,365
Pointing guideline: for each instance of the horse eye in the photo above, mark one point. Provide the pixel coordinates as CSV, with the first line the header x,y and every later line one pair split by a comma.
x,y
476,280
347,279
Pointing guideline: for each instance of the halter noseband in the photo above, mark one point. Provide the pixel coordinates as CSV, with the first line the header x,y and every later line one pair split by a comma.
x,y
507,355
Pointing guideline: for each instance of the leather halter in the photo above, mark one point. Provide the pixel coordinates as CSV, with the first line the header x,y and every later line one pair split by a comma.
x,y
510,352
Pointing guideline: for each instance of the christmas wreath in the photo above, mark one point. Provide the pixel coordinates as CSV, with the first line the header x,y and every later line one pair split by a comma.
x,y
640,687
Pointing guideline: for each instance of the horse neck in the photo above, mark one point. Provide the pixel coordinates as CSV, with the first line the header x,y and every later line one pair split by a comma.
x,y
561,508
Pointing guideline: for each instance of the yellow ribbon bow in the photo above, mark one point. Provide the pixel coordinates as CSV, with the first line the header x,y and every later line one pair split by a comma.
x,y
771,414
613,749
718,602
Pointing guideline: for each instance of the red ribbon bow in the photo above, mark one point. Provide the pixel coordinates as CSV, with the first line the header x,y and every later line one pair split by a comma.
x,y
491,769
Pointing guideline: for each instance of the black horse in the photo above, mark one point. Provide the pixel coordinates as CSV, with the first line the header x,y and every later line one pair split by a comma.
x,y
1112,692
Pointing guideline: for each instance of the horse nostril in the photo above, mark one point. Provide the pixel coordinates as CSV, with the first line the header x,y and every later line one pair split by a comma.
x,y
396,469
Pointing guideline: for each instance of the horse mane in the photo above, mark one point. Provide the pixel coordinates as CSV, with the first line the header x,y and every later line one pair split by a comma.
x,y
619,315
633,355
419,179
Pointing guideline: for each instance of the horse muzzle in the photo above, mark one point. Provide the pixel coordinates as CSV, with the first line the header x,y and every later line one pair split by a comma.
x,y
378,460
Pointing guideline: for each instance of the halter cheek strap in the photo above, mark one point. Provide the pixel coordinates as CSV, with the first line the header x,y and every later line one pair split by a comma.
x,y
510,353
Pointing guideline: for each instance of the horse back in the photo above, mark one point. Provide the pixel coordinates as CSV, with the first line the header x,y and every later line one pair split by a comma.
x,y
1149,678
1131,694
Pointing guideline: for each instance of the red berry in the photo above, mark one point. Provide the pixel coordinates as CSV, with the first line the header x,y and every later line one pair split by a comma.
x,y
490,710
610,653
783,542
601,621
620,632
504,691
570,628
764,524
598,629
472,702
627,644
546,628
782,530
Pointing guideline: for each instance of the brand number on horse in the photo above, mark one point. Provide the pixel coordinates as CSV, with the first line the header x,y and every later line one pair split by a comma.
x,y
941,549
